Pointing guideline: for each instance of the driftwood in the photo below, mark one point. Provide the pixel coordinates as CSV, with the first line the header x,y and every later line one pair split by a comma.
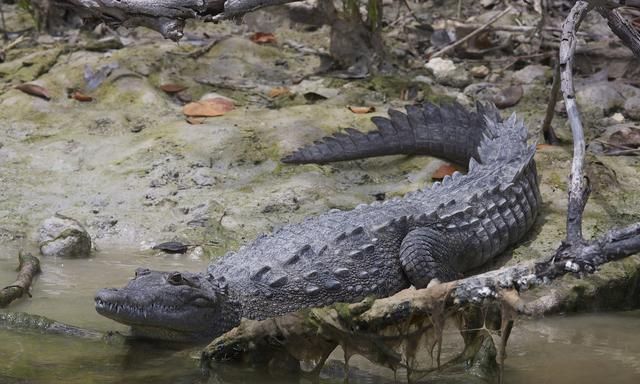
x,y
167,17
28,268
388,331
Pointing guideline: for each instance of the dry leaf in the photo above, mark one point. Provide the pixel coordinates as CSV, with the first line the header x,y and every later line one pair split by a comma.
x,y
209,107
278,91
173,88
445,170
263,38
80,96
195,120
34,90
361,109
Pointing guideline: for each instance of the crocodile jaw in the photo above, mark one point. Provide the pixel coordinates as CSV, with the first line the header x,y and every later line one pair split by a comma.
x,y
157,307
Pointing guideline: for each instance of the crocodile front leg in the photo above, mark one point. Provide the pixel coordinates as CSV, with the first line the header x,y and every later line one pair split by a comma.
x,y
426,254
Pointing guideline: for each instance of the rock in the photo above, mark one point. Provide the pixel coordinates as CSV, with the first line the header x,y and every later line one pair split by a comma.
x,y
482,91
632,107
203,177
447,73
61,236
615,119
479,71
618,118
597,99
532,73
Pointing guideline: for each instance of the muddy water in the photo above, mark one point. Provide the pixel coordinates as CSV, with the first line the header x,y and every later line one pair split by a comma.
x,y
584,349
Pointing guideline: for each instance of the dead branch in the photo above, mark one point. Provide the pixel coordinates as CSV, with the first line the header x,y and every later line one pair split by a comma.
x,y
578,188
28,268
472,34
547,129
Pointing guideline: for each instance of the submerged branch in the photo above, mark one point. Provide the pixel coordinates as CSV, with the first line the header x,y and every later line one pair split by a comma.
x,y
26,322
28,268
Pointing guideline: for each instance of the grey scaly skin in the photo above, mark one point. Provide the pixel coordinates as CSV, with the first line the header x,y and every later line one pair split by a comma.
x,y
374,250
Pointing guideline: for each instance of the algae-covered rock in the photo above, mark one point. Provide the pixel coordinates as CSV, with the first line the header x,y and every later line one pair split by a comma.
x,y
61,236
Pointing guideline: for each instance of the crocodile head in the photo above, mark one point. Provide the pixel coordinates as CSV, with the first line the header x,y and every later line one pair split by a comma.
x,y
174,306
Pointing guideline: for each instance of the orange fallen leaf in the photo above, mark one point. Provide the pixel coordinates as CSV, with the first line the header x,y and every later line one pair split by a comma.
x,y
278,91
361,109
80,96
444,170
173,88
34,90
263,38
208,107
542,147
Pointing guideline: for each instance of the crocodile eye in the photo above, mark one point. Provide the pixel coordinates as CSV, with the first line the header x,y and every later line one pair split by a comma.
x,y
142,271
175,278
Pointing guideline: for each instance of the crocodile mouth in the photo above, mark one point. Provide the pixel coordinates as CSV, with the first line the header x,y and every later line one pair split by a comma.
x,y
123,310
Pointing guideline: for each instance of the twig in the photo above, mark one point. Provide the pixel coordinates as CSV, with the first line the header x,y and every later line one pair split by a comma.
x,y
507,28
547,130
29,267
472,34
11,45
406,4
623,152
5,34
578,187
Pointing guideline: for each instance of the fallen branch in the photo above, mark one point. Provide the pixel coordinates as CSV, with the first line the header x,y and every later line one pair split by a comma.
x,y
28,268
373,328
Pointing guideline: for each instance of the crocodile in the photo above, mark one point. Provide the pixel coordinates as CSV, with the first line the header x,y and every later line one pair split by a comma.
x,y
375,250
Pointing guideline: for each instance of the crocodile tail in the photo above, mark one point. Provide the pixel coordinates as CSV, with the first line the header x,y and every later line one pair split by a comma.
x,y
450,132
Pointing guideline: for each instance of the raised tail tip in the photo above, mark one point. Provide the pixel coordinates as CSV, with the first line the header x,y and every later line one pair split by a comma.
x,y
301,156
292,158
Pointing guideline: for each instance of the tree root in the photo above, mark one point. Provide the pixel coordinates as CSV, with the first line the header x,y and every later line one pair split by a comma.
x,y
29,267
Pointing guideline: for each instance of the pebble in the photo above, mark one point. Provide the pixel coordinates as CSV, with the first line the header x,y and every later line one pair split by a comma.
x,y
479,71
447,73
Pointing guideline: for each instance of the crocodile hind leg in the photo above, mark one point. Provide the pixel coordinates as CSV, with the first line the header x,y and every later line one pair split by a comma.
x,y
426,254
